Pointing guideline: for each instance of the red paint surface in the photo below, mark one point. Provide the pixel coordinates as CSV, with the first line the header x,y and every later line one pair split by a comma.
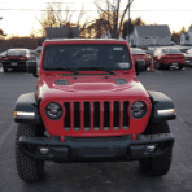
x,y
167,59
144,57
91,86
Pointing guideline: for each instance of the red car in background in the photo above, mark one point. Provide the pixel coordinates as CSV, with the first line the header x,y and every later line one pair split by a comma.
x,y
166,57
139,54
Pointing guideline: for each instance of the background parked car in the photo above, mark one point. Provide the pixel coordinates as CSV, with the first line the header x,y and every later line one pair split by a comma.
x,y
38,51
33,54
188,58
166,57
2,55
139,54
15,59
38,55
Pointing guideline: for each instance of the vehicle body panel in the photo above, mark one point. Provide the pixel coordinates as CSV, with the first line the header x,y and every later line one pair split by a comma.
x,y
168,59
96,122
139,54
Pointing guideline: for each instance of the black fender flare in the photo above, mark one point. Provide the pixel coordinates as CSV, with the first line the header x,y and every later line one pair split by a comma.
x,y
27,110
163,107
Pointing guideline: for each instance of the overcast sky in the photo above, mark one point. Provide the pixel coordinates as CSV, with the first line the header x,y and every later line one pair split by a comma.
x,y
174,13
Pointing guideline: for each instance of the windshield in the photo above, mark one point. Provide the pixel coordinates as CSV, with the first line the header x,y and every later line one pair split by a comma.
x,y
16,52
86,56
171,51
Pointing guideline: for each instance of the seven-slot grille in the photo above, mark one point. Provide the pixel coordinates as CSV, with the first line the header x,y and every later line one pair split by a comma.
x,y
96,116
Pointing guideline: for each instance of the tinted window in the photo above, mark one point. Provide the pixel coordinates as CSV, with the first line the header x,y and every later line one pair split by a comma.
x,y
85,56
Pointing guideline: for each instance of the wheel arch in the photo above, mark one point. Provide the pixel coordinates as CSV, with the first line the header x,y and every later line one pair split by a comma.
x,y
162,107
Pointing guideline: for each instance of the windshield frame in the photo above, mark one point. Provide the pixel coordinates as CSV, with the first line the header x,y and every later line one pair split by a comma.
x,y
82,68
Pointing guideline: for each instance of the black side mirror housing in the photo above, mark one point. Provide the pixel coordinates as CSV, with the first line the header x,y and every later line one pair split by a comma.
x,y
31,67
139,66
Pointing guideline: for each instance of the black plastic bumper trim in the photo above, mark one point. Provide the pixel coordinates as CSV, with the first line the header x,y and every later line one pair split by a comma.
x,y
97,149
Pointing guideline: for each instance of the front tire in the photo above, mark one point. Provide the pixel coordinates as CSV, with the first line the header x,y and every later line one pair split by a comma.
x,y
160,165
158,66
5,69
29,169
180,67
146,67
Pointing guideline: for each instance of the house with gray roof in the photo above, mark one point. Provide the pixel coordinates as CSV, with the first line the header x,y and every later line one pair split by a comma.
x,y
62,33
186,37
150,35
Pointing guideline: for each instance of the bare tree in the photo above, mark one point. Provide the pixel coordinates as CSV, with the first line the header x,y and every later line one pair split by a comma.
x,y
2,34
63,17
81,13
114,8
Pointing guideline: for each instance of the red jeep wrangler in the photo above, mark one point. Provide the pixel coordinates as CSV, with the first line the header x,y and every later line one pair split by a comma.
x,y
89,107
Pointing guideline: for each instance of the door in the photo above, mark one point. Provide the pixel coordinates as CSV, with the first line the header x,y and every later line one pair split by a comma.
x,y
154,40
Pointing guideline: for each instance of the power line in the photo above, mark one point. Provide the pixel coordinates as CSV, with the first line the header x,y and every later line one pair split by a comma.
x,y
80,10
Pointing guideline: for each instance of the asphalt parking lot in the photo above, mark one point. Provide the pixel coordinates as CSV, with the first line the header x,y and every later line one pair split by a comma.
x,y
102,176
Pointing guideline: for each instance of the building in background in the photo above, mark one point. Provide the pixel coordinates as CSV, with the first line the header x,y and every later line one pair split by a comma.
x,y
150,35
186,37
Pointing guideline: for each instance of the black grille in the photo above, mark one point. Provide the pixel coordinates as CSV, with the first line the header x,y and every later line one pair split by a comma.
x,y
96,115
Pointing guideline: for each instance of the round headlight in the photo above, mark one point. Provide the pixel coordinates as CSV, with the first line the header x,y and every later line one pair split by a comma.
x,y
53,111
138,109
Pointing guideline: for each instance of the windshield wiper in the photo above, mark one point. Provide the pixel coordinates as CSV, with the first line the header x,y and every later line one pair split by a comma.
x,y
109,71
62,69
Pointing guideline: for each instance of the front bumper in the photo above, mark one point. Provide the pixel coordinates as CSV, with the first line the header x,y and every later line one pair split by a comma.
x,y
110,149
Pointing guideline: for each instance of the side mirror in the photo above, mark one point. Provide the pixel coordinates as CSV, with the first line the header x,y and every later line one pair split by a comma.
x,y
31,67
139,66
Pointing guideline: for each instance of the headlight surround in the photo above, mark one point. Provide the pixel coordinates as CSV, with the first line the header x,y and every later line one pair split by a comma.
x,y
53,111
138,110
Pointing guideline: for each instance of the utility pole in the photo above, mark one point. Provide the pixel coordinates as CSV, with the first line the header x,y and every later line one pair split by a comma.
x,y
128,35
109,33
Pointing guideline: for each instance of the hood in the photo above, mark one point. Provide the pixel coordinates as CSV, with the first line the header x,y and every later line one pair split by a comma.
x,y
90,86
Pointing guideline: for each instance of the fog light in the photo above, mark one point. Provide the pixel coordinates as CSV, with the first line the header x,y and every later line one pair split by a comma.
x,y
151,148
44,150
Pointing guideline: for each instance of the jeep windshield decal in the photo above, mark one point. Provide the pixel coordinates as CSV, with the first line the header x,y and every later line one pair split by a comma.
x,y
86,56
